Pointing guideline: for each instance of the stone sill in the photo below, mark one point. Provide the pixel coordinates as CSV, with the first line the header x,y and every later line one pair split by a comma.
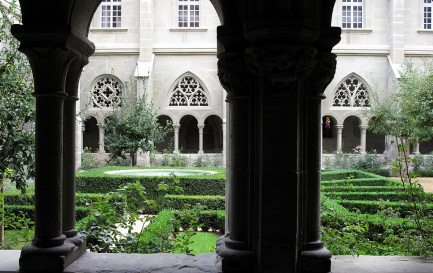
x,y
109,29
357,30
207,263
424,31
187,29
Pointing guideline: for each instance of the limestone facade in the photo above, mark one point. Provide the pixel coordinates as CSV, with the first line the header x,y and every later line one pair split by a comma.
x,y
148,53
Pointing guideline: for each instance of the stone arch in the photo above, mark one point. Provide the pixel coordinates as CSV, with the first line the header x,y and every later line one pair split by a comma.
x,y
352,92
329,134
213,134
375,142
106,91
188,91
188,135
167,144
91,135
351,133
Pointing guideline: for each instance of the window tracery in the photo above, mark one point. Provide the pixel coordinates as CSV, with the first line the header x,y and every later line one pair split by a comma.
x,y
351,93
106,92
188,92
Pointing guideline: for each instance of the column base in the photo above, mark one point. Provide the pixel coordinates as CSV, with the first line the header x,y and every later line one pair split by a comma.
x,y
53,259
233,260
316,260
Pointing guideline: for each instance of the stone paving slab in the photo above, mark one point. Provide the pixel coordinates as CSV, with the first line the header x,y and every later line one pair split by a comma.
x,y
176,263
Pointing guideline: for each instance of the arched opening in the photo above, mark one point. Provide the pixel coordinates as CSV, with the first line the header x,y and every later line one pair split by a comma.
x,y
188,135
351,134
91,135
329,134
167,144
213,135
426,147
375,142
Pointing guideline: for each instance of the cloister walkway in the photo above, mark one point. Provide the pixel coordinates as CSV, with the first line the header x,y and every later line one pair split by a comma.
x,y
170,263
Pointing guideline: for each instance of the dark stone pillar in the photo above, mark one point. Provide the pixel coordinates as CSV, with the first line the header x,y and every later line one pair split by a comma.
x,y
314,256
69,141
50,55
235,248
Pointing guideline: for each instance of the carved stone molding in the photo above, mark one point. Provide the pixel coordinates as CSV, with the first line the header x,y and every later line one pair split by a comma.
x,y
282,65
50,66
232,72
322,74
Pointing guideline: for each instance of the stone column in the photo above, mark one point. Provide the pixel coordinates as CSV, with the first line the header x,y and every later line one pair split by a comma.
x,y
176,128
83,128
200,138
339,138
101,138
416,148
363,129
224,143
50,66
315,257
69,151
235,248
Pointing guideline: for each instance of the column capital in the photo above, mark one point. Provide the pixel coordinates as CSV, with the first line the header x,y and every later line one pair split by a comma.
x,y
200,126
281,65
176,126
339,126
363,127
232,72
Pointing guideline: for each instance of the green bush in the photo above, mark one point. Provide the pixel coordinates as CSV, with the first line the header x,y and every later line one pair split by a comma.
x,y
424,172
190,185
208,219
344,174
209,202
360,182
28,212
326,189
373,207
374,196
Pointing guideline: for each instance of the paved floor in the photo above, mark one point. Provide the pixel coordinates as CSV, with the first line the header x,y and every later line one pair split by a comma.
x,y
170,263
425,182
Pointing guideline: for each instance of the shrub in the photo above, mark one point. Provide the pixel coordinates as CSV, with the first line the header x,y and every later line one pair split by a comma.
x,y
209,202
208,219
88,161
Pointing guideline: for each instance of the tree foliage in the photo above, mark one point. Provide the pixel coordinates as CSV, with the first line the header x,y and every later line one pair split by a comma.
x,y
408,112
133,127
17,105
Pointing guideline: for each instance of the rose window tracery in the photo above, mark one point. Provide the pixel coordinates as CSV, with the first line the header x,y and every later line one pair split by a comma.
x,y
351,93
107,92
188,92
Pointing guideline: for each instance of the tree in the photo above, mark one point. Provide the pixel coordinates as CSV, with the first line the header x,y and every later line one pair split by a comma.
x,y
408,116
17,108
133,127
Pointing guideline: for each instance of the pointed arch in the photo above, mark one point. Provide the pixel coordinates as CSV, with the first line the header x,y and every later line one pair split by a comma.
x,y
352,91
188,90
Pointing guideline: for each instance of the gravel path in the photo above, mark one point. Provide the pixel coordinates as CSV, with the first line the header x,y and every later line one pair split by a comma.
x,y
425,182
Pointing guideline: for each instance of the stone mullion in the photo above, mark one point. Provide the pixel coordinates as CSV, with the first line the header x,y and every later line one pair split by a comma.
x,y
69,142
235,248
314,256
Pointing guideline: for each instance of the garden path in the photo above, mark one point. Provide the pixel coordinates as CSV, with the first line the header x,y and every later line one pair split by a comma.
x,y
425,182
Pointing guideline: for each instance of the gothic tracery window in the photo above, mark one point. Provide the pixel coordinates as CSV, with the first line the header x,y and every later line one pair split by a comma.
x,y
188,92
106,92
351,93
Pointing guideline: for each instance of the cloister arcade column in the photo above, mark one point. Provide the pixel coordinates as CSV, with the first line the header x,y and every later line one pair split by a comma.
x,y
53,36
275,66
176,128
363,142
101,134
339,138
200,138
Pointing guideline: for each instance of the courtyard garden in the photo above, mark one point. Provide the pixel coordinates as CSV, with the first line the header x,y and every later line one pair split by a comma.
x,y
362,213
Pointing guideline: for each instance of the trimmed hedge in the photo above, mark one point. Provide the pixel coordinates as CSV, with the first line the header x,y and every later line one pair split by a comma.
x,y
209,220
327,189
372,207
330,175
374,181
374,196
29,212
424,172
210,202
191,186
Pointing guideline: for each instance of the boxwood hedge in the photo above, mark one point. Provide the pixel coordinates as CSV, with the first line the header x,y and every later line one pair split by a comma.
x,y
210,202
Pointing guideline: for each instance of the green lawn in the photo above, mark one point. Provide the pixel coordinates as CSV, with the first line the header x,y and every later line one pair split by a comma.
x,y
203,242
17,239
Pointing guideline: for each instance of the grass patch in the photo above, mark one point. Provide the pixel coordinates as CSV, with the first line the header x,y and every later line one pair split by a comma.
x,y
17,239
202,242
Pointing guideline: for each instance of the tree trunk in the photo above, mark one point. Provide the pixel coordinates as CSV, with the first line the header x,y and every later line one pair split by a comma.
x,y
134,159
2,213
